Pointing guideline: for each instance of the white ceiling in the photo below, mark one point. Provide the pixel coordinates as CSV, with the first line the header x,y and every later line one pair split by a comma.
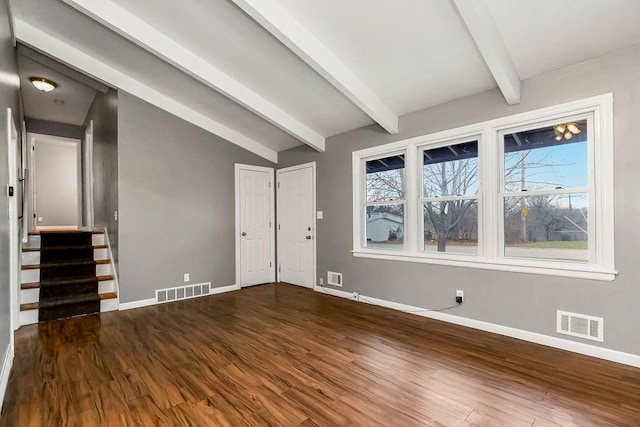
x,y
68,103
403,56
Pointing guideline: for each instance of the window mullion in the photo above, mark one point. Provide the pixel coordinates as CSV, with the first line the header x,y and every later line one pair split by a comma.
x,y
490,186
412,194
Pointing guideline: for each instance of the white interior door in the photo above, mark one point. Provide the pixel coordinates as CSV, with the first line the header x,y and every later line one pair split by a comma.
x,y
296,225
254,225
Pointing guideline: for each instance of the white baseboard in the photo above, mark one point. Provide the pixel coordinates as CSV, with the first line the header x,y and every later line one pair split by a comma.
x,y
223,289
152,301
7,363
534,337
137,304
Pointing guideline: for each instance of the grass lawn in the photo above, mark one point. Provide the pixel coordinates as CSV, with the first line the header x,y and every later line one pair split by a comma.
x,y
575,244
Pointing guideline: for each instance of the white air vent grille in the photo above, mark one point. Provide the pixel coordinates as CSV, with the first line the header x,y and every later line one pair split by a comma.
x,y
581,325
334,279
183,292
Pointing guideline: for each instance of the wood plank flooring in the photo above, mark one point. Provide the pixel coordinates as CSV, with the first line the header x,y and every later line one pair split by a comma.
x,y
284,355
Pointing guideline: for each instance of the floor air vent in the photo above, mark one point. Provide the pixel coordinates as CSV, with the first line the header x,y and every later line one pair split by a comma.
x,y
581,325
183,292
334,279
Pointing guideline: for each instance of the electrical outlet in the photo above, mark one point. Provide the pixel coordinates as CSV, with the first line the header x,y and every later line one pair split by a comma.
x,y
356,296
322,281
115,216
39,219
459,296
186,277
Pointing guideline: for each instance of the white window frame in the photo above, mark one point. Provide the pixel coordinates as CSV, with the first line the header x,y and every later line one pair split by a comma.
x,y
477,197
490,256
364,203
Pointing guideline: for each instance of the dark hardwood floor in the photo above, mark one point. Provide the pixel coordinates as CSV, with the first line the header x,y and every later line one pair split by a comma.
x,y
284,355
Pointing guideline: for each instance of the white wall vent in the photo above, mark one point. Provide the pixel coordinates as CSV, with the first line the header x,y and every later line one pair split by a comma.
x,y
183,292
581,325
334,279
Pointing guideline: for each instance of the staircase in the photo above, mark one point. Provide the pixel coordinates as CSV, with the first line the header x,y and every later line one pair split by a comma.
x,y
65,274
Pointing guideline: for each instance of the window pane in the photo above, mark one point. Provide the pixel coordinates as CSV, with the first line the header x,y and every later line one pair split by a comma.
x,y
385,226
451,226
546,158
451,170
550,227
385,179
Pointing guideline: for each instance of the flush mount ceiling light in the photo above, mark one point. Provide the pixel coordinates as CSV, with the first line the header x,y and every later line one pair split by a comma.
x,y
566,131
43,84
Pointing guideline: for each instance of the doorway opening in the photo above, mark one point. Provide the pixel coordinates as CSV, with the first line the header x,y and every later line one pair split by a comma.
x,y
56,177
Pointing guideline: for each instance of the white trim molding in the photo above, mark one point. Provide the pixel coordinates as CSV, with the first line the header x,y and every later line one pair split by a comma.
x,y
600,262
286,28
7,363
33,37
114,271
152,301
534,337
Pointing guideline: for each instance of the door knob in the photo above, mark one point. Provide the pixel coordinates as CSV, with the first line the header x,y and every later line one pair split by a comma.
x,y
308,237
243,234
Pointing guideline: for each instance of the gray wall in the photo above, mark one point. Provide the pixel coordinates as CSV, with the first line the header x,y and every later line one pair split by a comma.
x,y
104,113
176,201
522,301
45,127
56,173
9,94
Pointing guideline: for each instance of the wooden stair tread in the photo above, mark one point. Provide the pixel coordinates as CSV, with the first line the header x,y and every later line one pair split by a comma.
x,y
38,232
37,266
29,306
35,305
36,285
38,249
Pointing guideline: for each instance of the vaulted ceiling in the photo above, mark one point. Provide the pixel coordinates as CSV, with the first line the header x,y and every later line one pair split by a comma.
x,y
269,75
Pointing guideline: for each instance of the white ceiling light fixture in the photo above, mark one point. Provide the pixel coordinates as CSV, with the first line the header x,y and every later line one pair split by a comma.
x,y
43,84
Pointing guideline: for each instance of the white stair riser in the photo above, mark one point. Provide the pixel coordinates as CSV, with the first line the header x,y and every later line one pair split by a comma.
x,y
28,317
33,295
109,305
33,258
98,239
29,276
33,242
29,295
103,269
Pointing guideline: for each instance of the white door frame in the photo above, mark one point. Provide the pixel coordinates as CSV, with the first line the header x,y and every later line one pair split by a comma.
x,y
14,245
87,182
314,233
272,216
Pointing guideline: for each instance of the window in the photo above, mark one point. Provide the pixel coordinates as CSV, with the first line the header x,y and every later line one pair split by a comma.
x,y
450,198
384,202
545,191
530,193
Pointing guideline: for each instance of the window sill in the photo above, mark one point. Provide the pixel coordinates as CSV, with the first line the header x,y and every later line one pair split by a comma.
x,y
545,268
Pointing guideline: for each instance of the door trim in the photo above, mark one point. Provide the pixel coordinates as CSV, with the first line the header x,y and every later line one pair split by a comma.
x,y
14,227
312,165
272,216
